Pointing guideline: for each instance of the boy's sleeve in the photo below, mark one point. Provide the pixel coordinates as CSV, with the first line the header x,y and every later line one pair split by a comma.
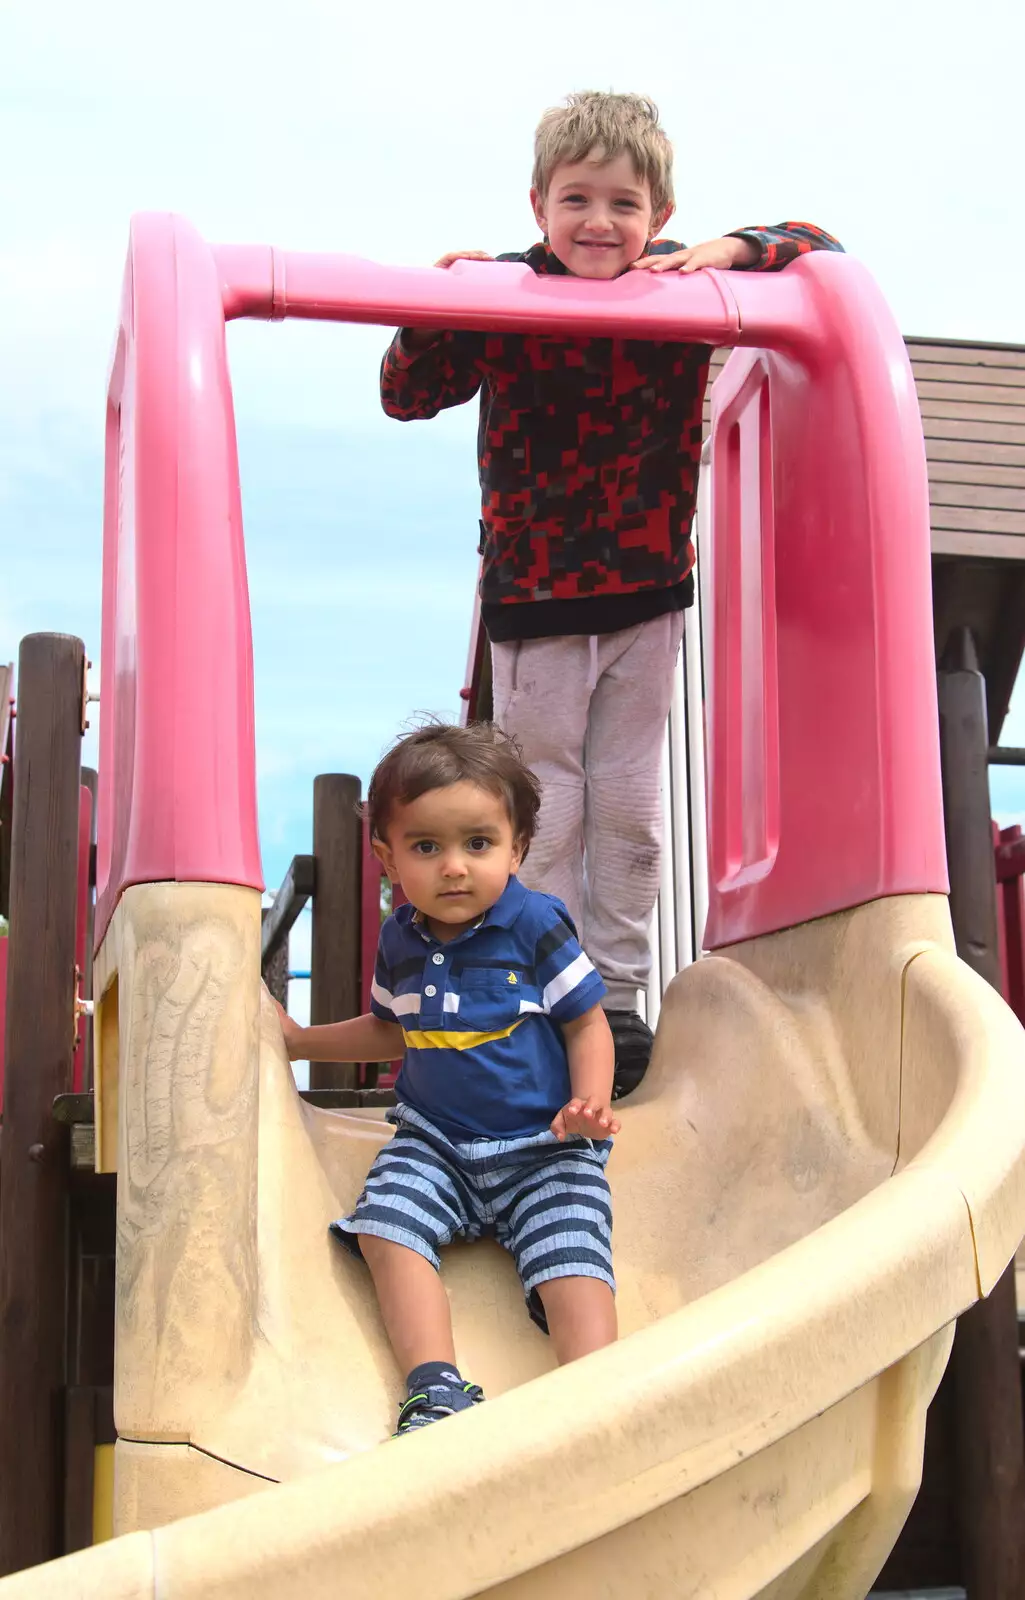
x,y
381,996
783,242
569,984
417,385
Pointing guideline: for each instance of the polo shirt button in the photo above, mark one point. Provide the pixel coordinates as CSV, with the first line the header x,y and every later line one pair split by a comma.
x,y
438,958
430,991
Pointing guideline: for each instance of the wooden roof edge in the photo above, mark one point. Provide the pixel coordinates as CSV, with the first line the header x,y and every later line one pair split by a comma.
x,y
925,338
962,344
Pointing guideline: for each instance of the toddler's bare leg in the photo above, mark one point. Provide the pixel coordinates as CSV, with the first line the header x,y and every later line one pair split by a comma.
x,y
581,1315
413,1303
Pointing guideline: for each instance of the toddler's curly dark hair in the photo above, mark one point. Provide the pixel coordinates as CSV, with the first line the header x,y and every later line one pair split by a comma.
x,y
440,754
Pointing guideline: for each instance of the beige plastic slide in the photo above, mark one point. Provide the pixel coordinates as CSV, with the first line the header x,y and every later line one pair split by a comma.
x,y
822,1169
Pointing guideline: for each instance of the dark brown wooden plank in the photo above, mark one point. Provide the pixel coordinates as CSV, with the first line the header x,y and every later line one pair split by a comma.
x,y
275,971
33,1147
335,956
973,413
974,520
968,472
985,496
79,1460
968,377
973,394
297,886
6,783
990,1441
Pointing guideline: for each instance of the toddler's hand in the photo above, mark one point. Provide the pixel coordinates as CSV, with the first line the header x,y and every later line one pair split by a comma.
x,y
722,253
591,1118
290,1030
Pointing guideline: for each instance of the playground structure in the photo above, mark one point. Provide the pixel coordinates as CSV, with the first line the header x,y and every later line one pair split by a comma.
x,y
833,1123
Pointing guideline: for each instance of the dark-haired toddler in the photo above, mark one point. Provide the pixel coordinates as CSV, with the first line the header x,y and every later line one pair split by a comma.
x,y
503,1125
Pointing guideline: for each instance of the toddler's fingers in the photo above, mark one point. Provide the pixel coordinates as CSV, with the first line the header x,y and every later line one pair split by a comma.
x,y
558,1125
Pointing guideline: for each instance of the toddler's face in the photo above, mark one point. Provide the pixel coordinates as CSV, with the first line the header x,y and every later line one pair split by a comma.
x,y
597,217
453,851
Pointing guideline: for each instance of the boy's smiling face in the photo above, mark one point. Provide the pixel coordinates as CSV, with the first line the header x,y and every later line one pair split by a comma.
x,y
597,215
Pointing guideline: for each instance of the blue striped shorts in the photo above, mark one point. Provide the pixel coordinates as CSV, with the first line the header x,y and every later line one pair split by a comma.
x,y
547,1202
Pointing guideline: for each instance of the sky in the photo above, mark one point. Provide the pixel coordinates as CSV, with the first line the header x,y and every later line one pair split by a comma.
x,y
400,132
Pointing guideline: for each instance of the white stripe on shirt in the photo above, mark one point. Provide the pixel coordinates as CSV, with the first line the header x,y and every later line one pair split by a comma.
x,y
384,997
566,980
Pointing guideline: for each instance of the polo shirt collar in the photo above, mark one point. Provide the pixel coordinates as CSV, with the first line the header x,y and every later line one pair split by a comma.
x,y
508,905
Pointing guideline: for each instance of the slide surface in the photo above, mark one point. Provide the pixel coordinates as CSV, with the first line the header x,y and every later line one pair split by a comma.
x,y
822,1169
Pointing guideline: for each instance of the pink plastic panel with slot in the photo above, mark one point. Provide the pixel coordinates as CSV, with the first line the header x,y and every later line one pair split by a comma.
x,y
824,784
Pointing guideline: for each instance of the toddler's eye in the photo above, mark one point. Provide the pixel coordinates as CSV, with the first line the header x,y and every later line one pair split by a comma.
x,y
478,845
424,847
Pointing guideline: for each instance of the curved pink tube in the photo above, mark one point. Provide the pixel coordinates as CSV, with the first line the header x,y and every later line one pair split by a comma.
x,y
822,726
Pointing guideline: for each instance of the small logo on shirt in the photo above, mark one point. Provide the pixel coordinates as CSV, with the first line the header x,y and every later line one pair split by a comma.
x,y
512,978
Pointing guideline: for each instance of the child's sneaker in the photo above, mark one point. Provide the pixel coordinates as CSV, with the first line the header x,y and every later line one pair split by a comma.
x,y
432,1401
633,1040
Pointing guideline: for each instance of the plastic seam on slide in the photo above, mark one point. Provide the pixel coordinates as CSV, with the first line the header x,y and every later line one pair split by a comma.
x,y
211,1455
925,950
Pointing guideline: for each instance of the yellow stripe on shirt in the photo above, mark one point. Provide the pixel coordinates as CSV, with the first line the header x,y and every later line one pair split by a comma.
x,y
442,1039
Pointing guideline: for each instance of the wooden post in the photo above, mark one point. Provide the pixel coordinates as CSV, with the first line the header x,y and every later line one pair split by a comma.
x,y
990,1443
335,957
33,1147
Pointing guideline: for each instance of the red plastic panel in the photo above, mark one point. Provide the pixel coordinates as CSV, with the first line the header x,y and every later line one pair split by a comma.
x,y
824,782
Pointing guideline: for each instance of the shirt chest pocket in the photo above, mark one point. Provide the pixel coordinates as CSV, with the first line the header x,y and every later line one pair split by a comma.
x,y
494,998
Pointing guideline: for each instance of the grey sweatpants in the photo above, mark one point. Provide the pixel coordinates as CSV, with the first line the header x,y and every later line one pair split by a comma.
x,y
590,714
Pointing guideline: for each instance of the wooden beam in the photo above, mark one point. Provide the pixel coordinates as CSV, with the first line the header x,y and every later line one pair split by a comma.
x,y
297,886
335,962
33,1147
990,1443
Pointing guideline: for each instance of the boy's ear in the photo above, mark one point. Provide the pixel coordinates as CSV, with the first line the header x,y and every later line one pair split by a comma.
x,y
385,857
519,850
659,220
537,205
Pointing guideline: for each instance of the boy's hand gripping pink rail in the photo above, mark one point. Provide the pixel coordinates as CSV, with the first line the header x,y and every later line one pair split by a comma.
x,y
822,716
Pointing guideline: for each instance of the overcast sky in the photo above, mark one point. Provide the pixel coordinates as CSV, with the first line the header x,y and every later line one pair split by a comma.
x,y
399,132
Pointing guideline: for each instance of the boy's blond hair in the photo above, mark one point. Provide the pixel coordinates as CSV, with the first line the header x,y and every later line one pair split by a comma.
x,y
615,124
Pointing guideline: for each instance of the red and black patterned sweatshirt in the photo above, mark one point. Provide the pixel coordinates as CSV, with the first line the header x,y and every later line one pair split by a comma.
x,y
588,452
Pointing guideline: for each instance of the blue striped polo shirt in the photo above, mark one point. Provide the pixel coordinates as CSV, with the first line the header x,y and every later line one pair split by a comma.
x,y
480,1014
